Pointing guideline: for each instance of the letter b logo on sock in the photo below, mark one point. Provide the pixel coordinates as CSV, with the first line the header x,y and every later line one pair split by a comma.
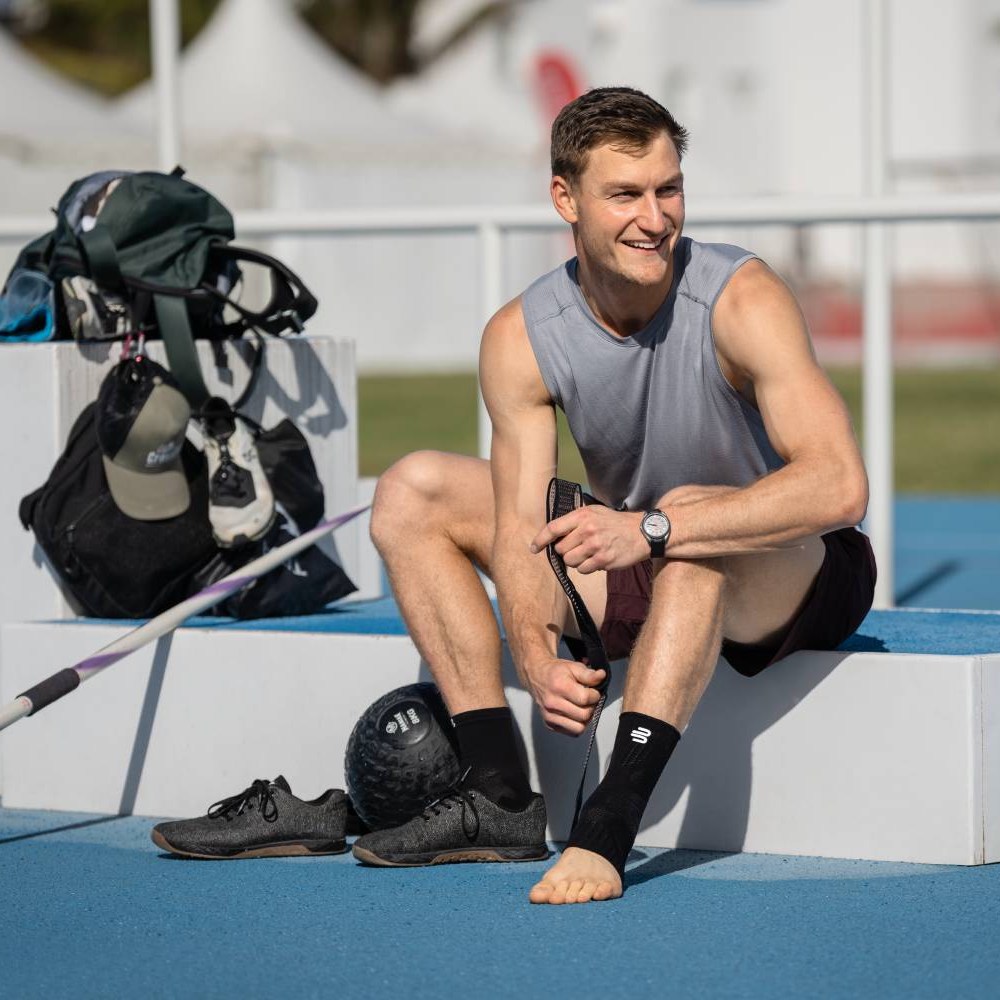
x,y
641,734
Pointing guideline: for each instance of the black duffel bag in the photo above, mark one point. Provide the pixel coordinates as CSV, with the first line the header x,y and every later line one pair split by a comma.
x,y
114,566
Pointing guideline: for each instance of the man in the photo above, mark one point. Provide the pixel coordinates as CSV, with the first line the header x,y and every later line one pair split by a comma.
x,y
731,478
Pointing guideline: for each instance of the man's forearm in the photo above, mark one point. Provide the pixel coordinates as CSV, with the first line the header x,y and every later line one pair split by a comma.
x,y
531,601
777,511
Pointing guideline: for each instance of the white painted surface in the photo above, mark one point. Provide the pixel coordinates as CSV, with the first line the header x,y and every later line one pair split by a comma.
x,y
864,755
43,388
990,745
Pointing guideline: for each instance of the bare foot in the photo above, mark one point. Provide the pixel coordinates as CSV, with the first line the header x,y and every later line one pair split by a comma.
x,y
578,876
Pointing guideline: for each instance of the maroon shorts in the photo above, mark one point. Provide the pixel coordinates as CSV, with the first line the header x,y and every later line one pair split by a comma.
x,y
837,602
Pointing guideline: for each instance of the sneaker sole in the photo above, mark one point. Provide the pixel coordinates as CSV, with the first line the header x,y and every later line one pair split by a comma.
x,y
287,849
241,539
505,854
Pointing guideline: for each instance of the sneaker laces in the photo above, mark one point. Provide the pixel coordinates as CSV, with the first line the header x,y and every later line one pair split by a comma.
x,y
258,793
457,795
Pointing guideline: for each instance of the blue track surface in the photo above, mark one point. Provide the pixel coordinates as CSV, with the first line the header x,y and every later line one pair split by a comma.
x,y
948,552
96,910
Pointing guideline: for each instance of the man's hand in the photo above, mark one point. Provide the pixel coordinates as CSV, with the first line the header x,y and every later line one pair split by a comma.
x,y
565,691
595,538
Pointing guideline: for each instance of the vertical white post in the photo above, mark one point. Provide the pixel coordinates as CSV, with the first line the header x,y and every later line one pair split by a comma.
x,y
491,283
165,45
877,323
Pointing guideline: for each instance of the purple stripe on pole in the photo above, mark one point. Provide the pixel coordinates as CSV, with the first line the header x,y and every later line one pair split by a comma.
x,y
226,586
101,660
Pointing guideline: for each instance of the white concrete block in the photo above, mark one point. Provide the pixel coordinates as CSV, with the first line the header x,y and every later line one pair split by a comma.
x,y
864,755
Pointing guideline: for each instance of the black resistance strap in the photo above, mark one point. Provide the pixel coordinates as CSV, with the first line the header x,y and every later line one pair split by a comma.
x,y
563,497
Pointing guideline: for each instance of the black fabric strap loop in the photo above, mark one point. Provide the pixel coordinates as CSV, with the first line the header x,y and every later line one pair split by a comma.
x,y
564,497
290,303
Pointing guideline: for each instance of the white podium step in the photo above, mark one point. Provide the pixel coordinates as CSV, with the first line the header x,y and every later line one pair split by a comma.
x,y
857,754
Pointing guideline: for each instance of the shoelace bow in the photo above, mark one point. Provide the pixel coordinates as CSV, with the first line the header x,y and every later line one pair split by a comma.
x,y
258,793
457,795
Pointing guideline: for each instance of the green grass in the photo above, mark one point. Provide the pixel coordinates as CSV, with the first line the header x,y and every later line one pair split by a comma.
x,y
947,424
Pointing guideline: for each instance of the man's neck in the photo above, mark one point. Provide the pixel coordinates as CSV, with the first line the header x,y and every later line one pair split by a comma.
x,y
622,307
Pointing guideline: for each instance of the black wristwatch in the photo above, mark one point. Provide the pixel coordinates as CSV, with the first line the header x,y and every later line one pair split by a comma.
x,y
655,528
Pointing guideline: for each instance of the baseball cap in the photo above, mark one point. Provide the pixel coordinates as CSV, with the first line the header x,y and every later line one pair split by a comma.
x,y
142,418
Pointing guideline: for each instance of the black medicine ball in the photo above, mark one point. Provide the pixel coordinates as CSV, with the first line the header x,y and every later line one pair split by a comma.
x,y
401,756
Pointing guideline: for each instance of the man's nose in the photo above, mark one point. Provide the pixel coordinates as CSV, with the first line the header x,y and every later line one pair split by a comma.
x,y
650,217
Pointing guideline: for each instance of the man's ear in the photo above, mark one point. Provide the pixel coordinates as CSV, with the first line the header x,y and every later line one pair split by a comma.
x,y
563,199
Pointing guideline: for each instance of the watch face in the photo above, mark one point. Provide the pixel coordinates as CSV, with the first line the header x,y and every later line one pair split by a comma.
x,y
655,525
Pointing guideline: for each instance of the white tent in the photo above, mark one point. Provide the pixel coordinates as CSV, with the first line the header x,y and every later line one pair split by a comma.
x,y
479,88
40,109
258,76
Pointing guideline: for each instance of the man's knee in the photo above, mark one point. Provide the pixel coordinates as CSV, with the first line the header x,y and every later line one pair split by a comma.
x,y
712,572
404,494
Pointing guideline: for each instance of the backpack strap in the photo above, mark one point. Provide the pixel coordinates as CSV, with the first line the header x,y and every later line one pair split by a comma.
x,y
175,329
102,258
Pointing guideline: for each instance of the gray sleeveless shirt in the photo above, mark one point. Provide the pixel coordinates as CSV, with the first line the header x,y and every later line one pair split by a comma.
x,y
651,411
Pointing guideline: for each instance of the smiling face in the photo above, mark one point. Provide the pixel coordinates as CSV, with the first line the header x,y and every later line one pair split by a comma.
x,y
627,213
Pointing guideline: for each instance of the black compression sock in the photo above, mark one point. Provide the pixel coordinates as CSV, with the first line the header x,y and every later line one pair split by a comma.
x,y
609,820
486,744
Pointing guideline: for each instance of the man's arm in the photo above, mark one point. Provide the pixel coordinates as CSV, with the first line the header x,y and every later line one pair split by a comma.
x,y
522,461
764,351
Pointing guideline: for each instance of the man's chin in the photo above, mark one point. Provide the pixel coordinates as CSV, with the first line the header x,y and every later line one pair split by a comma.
x,y
649,276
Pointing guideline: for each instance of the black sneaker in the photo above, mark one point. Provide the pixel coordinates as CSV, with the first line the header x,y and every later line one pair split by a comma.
x,y
463,825
263,821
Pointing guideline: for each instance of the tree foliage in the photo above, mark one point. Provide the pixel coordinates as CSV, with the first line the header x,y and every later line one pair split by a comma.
x,y
105,43
377,35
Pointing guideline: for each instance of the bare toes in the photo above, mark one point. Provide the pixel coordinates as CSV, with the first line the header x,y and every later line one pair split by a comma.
x,y
574,891
605,890
559,893
541,892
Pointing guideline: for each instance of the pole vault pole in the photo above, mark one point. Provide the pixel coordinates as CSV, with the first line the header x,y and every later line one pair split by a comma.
x,y
70,678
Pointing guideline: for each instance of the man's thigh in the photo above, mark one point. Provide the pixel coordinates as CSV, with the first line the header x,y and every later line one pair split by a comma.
x,y
765,590
763,595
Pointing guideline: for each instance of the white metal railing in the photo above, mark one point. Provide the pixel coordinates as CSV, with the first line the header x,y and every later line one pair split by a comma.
x,y
491,223
756,211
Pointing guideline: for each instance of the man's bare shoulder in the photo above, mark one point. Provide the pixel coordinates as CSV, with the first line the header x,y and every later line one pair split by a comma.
x,y
506,322
507,366
753,286
757,320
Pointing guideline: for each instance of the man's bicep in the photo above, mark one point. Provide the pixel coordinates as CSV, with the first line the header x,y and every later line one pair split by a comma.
x,y
523,449
762,333
522,461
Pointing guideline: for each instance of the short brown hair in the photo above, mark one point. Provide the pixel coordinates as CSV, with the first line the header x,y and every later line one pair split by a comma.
x,y
626,118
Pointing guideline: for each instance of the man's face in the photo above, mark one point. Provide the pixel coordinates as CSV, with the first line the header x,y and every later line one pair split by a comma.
x,y
628,210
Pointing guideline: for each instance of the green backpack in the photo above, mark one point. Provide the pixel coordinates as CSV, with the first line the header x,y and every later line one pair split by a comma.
x,y
150,253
